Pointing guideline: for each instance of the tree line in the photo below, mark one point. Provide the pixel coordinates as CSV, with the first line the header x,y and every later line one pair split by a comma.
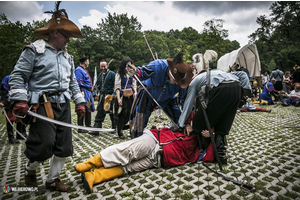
x,y
119,35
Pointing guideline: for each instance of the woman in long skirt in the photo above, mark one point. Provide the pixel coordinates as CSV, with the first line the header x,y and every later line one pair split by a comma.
x,y
126,89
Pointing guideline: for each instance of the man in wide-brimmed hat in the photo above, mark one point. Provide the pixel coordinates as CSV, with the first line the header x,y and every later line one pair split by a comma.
x,y
163,78
49,71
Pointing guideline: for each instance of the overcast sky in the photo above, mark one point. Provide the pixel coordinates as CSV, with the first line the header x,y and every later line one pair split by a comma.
x,y
240,16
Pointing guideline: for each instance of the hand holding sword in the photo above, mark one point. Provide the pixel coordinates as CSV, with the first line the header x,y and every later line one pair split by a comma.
x,y
21,109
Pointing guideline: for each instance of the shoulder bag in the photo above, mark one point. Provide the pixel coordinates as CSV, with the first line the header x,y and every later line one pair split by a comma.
x,y
127,92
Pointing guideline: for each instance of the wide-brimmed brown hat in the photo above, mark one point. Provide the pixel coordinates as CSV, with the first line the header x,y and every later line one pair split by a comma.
x,y
60,22
181,71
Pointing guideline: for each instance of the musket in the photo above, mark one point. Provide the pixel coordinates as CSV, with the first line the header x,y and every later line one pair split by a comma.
x,y
203,106
243,185
291,127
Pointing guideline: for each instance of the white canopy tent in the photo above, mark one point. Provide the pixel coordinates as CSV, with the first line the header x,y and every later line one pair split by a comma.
x,y
246,56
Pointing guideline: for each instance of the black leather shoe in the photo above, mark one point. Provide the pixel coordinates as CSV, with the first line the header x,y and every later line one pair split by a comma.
x,y
95,133
122,137
82,131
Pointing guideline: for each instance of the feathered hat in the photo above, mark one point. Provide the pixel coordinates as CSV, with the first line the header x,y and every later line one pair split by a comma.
x,y
59,21
180,71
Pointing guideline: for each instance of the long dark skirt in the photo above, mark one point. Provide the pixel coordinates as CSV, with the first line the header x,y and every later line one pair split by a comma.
x,y
122,118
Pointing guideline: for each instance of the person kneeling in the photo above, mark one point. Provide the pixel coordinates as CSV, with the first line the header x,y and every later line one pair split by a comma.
x,y
143,153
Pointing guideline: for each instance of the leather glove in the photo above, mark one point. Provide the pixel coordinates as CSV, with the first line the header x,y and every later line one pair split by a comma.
x,y
21,108
177,128
80,110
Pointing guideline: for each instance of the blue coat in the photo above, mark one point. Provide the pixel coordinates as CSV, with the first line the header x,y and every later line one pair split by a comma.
x,y
85,83
265,95
155,75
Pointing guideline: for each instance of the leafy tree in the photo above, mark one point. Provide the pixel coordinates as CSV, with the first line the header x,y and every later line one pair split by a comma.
x,y
13,38
116,37
119,32
214,37
277,38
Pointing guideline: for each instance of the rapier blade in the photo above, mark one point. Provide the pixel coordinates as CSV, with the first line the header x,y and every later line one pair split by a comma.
x,y
67,124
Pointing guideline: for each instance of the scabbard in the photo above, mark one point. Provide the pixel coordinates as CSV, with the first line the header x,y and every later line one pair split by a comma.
x,y
48,107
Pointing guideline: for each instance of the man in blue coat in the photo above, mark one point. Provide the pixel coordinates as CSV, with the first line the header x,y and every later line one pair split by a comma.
x,y
85,83
163,79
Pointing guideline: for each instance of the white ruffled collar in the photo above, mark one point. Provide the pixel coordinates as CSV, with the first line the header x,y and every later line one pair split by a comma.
x,y
40,46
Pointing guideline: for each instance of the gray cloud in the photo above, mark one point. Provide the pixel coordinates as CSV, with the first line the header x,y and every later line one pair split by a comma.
x,y
219,7
22,11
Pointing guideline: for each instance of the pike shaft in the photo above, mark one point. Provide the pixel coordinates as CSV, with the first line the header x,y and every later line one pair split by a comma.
x,y
149,47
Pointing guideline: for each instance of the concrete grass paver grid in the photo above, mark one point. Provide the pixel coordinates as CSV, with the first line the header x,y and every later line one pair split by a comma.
x,y
260,151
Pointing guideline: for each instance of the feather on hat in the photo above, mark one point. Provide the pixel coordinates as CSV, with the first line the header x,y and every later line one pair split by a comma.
x,y
59,21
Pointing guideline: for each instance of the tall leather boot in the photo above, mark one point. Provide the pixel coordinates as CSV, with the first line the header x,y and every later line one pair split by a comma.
x,y
222,154
220,143
10,134
99,175
22,130
89,164
96,125
80,123
113,124
88,119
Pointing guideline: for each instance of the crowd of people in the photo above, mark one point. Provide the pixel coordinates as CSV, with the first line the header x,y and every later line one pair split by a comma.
x,y
281,87
201,117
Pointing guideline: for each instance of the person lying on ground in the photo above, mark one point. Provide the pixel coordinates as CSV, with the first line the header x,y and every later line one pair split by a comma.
x,y
248,107
155,148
